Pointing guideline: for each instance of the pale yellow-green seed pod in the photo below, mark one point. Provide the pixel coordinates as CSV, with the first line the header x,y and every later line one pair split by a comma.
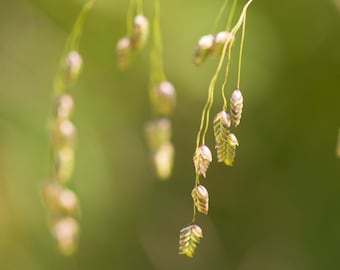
x,y
163,97
220,40
72,67
236,106
140,32
203,49
232,143
157,132
68,202
189,238
202,159
63,107
163,159
66,232
222,124
124,53
64,164
200,197
63,133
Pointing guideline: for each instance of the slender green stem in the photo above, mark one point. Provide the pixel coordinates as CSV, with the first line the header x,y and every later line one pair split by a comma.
x,y
72,43
226,78
231,15
156,53
197,182
139,6
241,51
220,13
129,18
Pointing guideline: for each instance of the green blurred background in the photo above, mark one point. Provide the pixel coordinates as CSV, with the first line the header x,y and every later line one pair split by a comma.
x,y
278,208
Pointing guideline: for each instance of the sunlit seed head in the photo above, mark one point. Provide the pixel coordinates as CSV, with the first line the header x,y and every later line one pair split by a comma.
x,y
73,66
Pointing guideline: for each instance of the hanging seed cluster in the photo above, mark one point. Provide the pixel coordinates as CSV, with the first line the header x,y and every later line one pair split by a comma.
x,y
162,93
135,41
158,130
218,45
61,202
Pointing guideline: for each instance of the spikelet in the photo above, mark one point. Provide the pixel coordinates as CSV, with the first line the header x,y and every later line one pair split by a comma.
x,y
222,125
236,105
124,53
163,98
72,67
63,107
232,142
220,39
202,159
140,32
157,132
189,238
203,49
163,160
66,231
200,197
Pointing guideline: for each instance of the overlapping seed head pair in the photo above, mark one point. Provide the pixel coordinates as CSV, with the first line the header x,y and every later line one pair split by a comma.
x,y
129,45
61,202
211,45
219,45
162,93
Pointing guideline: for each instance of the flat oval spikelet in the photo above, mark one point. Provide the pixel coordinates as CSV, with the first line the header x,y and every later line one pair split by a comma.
x,y
200,197
222,125
202,159
189,238
232,143
236,106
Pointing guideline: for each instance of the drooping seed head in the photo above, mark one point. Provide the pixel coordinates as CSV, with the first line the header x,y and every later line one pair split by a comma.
x,y
163,159
236,106
124,53
73,66
202,159
189,238
200,197
220,39
164,98
66,231
140,32
63,106
157,132
203,49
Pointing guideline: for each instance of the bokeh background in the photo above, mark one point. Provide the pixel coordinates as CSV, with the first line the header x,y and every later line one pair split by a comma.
x,y
278,208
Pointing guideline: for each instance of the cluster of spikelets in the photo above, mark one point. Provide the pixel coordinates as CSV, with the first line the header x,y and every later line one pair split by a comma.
x,y
225,140
129,45
211,45
158,130
61,202
161,92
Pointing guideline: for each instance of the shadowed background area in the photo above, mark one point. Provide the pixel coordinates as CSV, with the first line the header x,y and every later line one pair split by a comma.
x,y
278,208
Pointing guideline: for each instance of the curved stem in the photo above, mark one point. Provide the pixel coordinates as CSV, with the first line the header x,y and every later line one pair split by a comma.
x,y
231,15
72,43
220,13
129,19
226,78
241,51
